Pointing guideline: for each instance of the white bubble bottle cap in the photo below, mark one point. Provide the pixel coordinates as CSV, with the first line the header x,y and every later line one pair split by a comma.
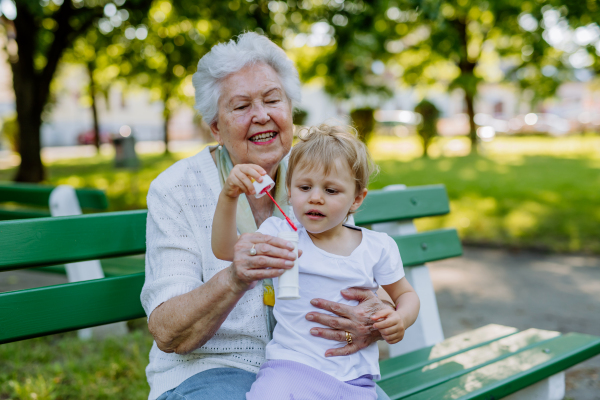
x,y
263,187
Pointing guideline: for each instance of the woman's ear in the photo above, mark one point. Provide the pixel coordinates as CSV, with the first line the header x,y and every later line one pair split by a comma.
x,y
358,200
214,128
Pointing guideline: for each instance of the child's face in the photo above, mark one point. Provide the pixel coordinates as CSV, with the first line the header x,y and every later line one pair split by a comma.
x,y
321,202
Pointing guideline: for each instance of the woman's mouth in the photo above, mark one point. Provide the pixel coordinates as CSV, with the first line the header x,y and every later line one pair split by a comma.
x,y
264,138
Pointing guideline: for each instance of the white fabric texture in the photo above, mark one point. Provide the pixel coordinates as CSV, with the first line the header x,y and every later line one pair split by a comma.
x,y
376,261
179,258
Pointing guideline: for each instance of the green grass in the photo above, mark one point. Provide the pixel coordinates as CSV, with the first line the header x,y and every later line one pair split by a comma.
x,y
528,192
62,367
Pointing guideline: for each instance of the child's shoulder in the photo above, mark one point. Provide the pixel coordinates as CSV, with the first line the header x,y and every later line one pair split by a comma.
x,y
378,239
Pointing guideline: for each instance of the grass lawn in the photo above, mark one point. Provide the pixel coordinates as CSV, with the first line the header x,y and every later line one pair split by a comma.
x,y
62,367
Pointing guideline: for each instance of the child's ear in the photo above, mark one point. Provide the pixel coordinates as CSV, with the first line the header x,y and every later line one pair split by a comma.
x,y
358,200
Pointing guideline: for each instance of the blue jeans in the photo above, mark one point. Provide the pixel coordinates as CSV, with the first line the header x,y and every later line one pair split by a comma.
x,y
221,384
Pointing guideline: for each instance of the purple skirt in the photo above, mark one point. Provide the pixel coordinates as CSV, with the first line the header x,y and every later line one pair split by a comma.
x,y
290,380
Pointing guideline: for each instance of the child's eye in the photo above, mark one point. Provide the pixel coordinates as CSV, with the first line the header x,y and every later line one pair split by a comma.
x,y
304,188
331,191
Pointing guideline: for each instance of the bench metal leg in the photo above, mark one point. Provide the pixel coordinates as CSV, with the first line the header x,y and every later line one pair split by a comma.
x,y
552,388
64,202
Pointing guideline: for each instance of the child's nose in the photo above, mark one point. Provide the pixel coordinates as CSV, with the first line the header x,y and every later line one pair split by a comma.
x,y
316,197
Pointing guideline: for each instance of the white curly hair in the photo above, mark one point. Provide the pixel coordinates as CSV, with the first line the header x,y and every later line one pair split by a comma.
x,y
226,58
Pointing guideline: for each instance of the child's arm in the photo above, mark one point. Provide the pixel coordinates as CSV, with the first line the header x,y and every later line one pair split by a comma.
x,y
224,230
392,324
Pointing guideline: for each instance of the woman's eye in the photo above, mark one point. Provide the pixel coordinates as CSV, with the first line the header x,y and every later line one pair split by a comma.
x,y
241,107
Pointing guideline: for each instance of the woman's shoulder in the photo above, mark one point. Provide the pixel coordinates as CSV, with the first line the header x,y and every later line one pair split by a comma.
x,y
183,172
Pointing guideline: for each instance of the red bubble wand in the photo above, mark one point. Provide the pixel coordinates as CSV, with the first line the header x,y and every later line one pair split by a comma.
x,y
266,190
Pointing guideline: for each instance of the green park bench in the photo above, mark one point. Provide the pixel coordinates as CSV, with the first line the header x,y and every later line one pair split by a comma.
x,y
491,362
24,200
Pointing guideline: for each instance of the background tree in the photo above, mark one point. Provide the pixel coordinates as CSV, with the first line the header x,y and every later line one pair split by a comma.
x,y
427,128
38,34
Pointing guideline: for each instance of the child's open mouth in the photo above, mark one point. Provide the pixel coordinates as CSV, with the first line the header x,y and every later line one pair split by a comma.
x,y
264,138
314,214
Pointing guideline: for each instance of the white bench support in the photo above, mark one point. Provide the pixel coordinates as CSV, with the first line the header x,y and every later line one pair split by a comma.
x,y
427,329
64,202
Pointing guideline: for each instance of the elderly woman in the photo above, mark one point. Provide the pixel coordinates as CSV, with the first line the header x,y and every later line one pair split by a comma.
x,y
211,319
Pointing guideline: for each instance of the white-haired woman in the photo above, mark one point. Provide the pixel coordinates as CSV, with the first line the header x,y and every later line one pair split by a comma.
x,y
209,318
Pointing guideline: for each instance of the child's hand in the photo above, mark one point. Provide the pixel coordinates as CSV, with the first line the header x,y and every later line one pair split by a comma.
x,y
390,324
239,180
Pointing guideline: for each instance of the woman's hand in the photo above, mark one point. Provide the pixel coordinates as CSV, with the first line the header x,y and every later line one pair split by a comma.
x,y
273,257
240,180
353,319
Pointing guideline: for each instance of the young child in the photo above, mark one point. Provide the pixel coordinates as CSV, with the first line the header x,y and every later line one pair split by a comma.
x,y
328,173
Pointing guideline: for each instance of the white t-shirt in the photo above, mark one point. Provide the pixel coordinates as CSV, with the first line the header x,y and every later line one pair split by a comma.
x,y
376,261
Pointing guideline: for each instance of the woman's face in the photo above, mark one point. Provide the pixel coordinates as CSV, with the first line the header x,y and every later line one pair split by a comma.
x,y
254,120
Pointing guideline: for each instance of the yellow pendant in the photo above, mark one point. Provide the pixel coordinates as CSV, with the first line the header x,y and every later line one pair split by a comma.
x,y
269,296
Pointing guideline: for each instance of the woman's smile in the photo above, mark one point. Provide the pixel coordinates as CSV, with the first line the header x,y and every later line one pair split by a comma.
x,y
263,138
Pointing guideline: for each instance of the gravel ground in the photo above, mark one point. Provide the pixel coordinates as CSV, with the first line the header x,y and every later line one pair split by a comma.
x,y
522,289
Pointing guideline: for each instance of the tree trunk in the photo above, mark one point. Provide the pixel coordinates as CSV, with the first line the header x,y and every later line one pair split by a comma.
x,y
29,103
426,142
468,80
166,115
472,128
90,67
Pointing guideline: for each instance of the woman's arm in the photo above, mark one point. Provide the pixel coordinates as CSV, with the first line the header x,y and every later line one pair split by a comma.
x,y
186,322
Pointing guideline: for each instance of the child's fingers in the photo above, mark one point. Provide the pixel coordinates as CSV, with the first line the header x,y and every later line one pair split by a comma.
x,y
381,314
245,181
386,323
253,171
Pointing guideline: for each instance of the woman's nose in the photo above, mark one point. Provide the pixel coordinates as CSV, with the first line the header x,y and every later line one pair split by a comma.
x,y
261,116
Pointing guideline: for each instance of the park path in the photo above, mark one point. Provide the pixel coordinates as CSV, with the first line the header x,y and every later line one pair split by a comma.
x,y
520,289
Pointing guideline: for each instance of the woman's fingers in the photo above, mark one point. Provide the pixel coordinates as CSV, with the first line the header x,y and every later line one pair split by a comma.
x,y
341,324
331,334
337,308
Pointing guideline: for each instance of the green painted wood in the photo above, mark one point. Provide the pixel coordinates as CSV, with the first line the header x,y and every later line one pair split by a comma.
x,y
423,247
110,266
10,214
59,240
43,311
511,374
448,348
393,205
438,372
39,195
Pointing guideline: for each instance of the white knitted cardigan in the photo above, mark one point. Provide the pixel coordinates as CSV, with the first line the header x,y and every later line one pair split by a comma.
x,y
179,258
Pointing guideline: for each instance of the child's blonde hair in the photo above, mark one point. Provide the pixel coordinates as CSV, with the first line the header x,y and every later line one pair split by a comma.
x,y
320,146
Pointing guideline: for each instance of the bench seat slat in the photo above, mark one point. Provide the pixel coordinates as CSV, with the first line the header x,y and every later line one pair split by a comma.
x,y
449,347
513,373
59,240
437,372
419,248
394,205
39,195
42,311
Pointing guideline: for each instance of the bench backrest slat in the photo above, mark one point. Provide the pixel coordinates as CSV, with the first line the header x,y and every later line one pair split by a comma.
x,y
60,308
395,205
429,246
39,195
58,240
